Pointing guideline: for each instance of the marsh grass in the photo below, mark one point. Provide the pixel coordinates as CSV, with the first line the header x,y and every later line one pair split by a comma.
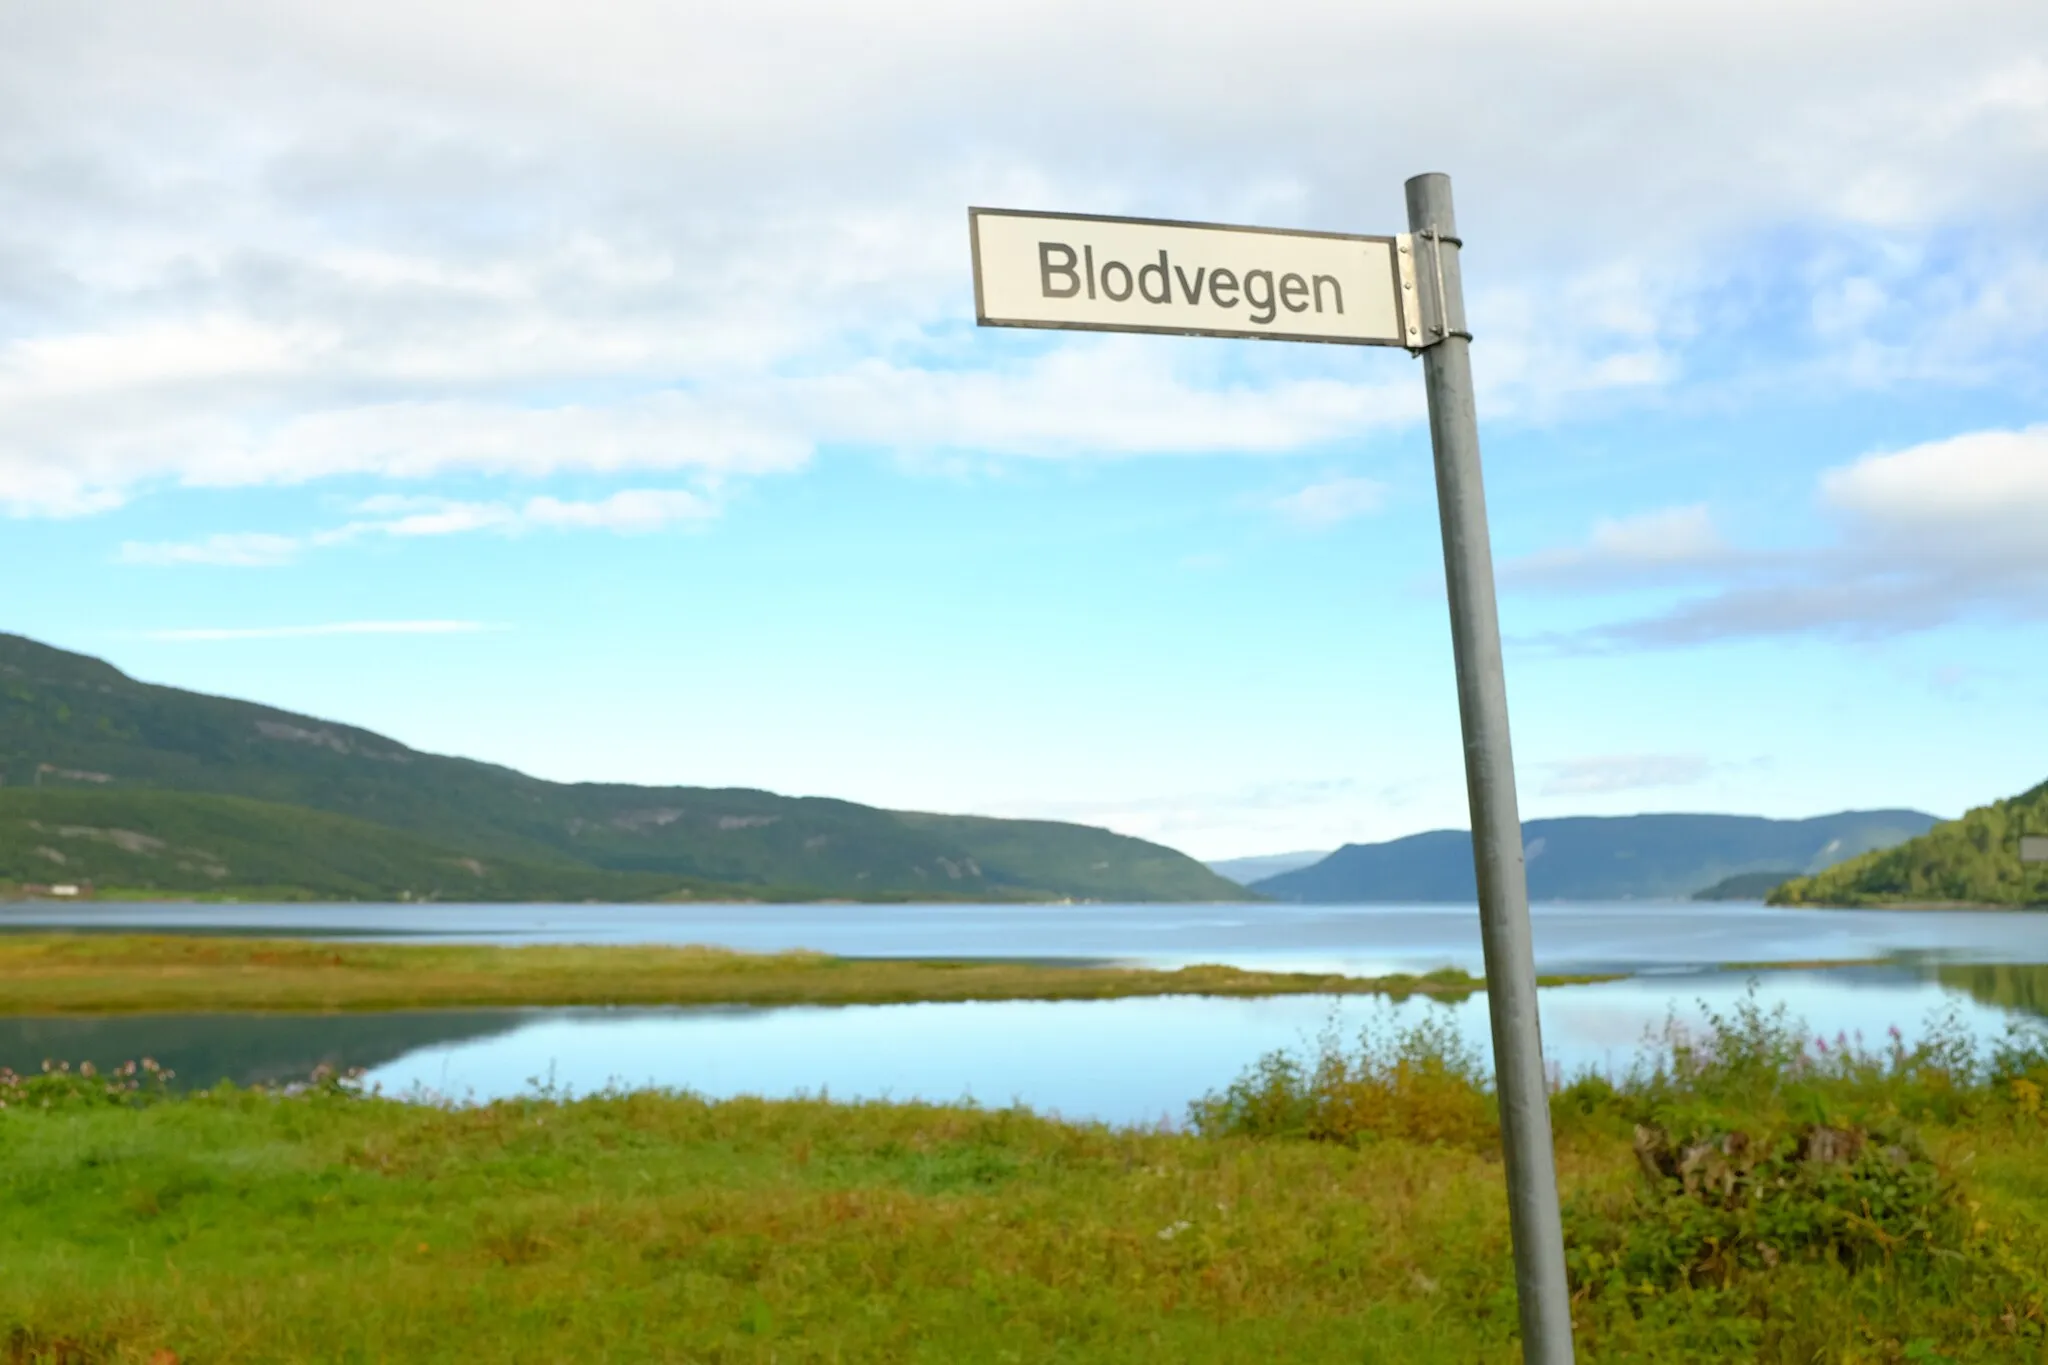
x,y
1347,1209
104,974
1420,1082
1766,1162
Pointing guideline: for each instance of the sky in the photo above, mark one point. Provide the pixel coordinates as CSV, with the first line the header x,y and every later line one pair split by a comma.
x,y
595,389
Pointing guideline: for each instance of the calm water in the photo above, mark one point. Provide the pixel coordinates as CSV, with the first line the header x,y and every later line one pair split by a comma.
x,y
1369,939
1120,1061
1124,1061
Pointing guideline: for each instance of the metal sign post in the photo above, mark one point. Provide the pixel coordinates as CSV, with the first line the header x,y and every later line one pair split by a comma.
x,y
1519,1080
1096,274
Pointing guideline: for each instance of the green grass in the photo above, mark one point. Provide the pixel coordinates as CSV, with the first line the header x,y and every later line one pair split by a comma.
x,y
111,974
239,1226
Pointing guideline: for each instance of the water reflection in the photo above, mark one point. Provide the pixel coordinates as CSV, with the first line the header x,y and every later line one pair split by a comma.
x,y
1122,1061
2018,988
243,1048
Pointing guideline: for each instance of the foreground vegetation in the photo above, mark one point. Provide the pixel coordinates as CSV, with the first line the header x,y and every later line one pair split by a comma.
x,y
1753,1198
1971,861
107,974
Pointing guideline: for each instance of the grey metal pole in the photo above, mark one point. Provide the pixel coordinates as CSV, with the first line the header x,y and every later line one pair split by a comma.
x,y
1519,1078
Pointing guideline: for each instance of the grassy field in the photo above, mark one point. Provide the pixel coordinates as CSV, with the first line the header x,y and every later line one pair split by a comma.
x,y
1346,1206
90,973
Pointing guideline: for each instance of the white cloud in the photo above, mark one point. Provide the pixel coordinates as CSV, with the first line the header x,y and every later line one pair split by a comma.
x,y
1923,536
329,628
253,244
448,519
97,463
1332,501
1092,397
1603,774
241,549
634,511
631,512
1981,497
1628,552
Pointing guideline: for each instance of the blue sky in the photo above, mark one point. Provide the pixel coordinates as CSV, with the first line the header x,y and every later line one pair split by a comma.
x,y
598,394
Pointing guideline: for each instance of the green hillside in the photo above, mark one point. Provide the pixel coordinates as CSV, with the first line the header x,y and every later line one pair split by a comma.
x,y
1744,886
182,843
72,722
1593,858
1971,861
1094,863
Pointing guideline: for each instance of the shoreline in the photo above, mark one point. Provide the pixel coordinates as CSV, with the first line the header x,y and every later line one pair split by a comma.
x,y
98,973
1931,907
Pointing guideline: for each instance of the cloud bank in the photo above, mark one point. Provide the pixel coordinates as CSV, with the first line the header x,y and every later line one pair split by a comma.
x,y
256,244
1939,532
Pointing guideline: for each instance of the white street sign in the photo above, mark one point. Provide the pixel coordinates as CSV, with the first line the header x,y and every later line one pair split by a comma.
x,y
1095,274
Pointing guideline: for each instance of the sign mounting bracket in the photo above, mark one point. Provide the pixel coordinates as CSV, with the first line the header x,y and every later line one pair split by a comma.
x,y
1431,313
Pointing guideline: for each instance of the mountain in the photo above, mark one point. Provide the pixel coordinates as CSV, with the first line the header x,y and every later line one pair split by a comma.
x,y
1971,861
1245,871
1629,857
185,843
1745,886
74,723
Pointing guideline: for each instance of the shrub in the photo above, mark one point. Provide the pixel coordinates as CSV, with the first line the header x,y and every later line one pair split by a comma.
x,y
1423,1083
1714,1203
138,1083
57,1086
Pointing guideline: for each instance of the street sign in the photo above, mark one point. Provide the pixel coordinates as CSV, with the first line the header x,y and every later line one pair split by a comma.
x,y
1086,273
2034,848
1092,274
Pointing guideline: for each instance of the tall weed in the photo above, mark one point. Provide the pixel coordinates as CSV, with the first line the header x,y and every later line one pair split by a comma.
x,y
57,1086
1423,1083
1763,1154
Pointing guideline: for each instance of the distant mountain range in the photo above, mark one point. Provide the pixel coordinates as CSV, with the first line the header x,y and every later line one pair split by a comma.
x,y
1245,871
1745,886
107,780
1971,861
1630,857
